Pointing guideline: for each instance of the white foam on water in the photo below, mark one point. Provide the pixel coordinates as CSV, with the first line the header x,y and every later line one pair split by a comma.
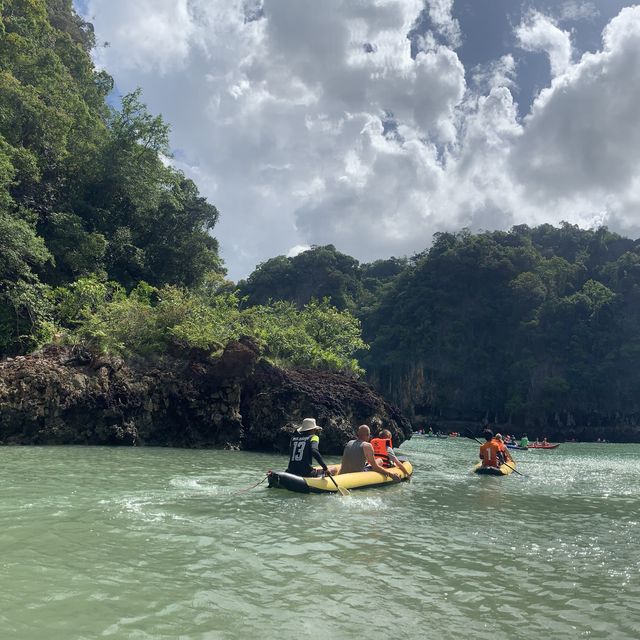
x,y
361,503
199,483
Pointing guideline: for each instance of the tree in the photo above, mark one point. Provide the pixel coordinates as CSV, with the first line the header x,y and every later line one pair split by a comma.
x,y
320,272
23,309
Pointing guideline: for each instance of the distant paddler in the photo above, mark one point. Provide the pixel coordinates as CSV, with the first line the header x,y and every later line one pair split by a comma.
x,y
303,448
489,450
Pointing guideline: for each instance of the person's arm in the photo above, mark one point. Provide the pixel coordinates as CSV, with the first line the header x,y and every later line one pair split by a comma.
x,y
315,452
371,459
394,458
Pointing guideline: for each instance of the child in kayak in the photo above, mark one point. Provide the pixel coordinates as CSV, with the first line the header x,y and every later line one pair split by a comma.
x,y
384,453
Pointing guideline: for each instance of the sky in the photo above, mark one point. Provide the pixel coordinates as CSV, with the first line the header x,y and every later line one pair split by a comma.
x,y
373,124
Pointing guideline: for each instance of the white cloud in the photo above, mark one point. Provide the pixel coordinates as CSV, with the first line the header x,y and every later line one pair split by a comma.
x,y
581,141
498,73
297,250
444,22
539,33
309,122
157,34
578,10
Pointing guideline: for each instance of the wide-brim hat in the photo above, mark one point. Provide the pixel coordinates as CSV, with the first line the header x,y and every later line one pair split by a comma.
x,y
308,424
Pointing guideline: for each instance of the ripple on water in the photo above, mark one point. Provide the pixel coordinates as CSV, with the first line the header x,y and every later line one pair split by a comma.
x,y
160,544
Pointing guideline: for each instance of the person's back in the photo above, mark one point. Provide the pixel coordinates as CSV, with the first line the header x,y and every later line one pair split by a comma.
x,y
303,449
300,454
524,441
489,451
353,458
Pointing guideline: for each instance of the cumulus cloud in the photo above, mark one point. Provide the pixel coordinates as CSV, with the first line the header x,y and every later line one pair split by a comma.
x,y
497,73
157,34
311,122
440,14
539,33
581,139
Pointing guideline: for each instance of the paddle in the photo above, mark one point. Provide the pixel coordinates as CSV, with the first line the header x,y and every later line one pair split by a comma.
x,y
343,492
508,465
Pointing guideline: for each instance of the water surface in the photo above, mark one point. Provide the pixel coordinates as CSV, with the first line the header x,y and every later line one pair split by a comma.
x,y
155,543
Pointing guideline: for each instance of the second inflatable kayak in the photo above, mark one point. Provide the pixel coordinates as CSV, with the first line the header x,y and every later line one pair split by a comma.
x,y
502,470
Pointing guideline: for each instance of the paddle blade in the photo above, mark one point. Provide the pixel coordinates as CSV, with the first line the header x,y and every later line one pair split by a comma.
x,y
341,490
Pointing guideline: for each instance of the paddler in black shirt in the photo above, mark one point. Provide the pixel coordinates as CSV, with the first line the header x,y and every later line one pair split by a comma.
x,y
304,448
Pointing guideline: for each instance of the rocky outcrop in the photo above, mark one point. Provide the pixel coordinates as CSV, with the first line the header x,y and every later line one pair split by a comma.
x,y
273,399
72,396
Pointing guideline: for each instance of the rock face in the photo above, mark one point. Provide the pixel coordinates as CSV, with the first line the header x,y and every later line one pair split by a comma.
x,y
273,399
71,396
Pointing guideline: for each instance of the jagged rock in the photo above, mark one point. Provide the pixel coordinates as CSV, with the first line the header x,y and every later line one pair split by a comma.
x,y
71,396
274,399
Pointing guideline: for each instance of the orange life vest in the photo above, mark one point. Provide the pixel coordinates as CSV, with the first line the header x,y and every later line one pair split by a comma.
x,y
502,448
489,454
380,448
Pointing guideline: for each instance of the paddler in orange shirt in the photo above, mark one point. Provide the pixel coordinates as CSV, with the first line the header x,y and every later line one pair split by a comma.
x,y
489,450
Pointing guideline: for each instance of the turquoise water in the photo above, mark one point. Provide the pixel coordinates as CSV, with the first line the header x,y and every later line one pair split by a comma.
x,y
153,543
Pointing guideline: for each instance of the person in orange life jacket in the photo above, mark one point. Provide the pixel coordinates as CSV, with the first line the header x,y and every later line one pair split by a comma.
x,y
489,450
503,451
303,448
358,453
383,451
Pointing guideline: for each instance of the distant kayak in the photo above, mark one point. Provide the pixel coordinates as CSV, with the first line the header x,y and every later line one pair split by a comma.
x,y
502,470
533,445
516,446
360,480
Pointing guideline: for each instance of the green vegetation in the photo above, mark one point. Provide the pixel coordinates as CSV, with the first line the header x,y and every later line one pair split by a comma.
x,y
150,322
536,326
518,326
102,241
83,188
321,272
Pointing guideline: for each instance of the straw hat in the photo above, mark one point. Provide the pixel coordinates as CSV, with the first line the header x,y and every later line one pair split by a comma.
x,y
308,424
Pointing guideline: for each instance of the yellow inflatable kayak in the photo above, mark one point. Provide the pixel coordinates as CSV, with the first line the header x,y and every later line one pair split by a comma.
x,y
502,470
361,480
